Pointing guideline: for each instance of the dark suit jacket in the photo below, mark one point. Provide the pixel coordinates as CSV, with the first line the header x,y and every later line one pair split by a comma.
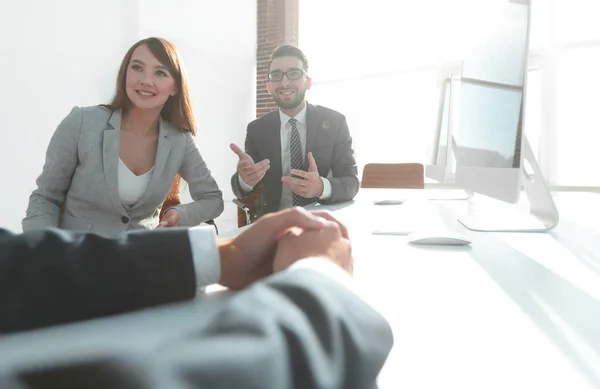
x,y
53,276
327,137
297,329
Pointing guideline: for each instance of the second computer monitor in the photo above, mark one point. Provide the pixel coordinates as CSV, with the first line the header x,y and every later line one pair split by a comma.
x,y
489,137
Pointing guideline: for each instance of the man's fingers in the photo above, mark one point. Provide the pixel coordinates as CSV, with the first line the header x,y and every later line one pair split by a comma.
x,y
287,183
294,182
264,163
244,164
312,164
236,149
290,233
240,153
252,174
298,185
328,216
255,176
279,222
301,191
251,167
301,173
257,168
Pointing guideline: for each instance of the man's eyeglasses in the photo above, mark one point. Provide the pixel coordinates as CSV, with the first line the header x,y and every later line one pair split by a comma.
x,y
294,74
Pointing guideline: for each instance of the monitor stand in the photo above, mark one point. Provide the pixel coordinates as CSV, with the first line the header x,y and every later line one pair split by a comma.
x,y
542,215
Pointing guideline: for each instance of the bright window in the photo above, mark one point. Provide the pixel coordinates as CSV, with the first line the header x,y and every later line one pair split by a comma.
x,y
378,63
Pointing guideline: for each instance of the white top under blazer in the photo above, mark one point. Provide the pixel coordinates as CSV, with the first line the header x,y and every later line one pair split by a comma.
x,y
131,186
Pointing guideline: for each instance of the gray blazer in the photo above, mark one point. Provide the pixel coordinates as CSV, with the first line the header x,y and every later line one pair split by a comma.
x,y
81,171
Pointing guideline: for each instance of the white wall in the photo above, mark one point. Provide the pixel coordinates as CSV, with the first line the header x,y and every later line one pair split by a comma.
x,y
61,53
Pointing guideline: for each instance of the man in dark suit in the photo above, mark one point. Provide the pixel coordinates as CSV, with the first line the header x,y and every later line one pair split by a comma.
x,y
301,153
303,327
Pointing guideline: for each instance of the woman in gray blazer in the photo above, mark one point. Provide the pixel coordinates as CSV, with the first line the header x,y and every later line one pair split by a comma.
x,y
109,168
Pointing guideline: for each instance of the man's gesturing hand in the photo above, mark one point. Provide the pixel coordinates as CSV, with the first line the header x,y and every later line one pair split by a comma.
x,y
306,184
250,172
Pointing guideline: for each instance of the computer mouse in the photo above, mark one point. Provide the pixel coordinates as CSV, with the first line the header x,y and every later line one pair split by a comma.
x,y
437,238
389,202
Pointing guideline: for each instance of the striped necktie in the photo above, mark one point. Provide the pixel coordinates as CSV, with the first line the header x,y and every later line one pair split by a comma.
x,y
296,161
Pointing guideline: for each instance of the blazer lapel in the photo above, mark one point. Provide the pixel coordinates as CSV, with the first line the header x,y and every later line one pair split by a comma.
x,y
313,125
271,134
110,159
162,155
274,134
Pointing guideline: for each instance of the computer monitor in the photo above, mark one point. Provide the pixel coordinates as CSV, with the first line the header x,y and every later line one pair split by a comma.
x,y
441,166
488,142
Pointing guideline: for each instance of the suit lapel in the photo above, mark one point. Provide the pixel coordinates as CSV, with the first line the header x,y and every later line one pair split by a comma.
x,y
312,130
271,133
162,155
274,134
110,159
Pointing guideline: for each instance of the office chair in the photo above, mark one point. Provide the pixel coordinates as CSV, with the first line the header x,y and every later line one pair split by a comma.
x,y
248,206
393,175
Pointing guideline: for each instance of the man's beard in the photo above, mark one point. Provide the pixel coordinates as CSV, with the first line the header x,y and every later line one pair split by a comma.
x,y
291,104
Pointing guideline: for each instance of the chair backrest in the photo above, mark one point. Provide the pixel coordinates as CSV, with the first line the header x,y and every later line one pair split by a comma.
x,y
393,175
250,202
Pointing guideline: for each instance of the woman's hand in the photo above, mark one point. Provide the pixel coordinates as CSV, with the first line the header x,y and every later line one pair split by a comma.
x,y
170,219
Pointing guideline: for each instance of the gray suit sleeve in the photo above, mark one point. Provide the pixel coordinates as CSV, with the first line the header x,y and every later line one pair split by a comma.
x,y
52,185
298,329
208,199
344,180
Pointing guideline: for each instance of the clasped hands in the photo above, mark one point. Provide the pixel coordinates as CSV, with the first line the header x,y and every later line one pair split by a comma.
x,y
277,240
306,184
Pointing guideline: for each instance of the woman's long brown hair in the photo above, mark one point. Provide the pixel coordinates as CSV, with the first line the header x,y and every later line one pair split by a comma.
x,y
178,109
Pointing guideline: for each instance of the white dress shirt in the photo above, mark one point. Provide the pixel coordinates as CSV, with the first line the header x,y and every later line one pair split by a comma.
x,y
286,162
132,187
205,253
207,261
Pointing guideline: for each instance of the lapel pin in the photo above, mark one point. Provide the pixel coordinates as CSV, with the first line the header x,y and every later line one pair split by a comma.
x,y
325,125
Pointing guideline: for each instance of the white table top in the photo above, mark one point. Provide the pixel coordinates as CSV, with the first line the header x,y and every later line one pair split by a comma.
x,y
513,310
510,311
